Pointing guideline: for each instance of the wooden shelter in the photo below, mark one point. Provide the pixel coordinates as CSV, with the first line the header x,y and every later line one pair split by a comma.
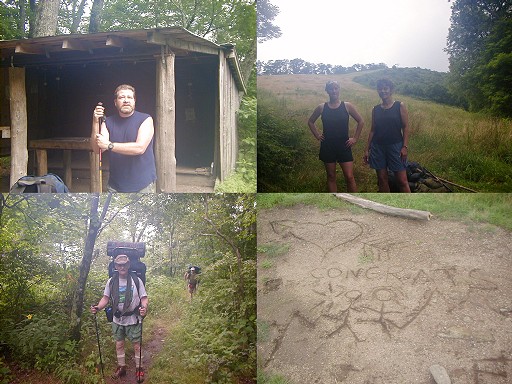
x,y
191,86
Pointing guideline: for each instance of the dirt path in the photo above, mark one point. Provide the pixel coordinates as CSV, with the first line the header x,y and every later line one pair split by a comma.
x,y
363,298
151,345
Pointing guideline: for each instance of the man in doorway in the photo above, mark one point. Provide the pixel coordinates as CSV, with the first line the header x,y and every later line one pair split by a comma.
x,y
127,137
129,303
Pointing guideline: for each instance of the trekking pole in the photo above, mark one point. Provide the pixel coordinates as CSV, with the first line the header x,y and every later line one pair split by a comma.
x,y
100,121
437,179
99,346
139,380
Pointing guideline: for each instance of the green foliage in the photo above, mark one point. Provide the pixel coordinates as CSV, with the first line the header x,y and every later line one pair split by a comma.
x,y
274,250
479,45
224,341
216,20
415,82
5,372
270,378
244,178
39,342
283,145
8,27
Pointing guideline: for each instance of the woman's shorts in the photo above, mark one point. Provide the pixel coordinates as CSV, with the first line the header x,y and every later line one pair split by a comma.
x,y
132,332
384,156
335,152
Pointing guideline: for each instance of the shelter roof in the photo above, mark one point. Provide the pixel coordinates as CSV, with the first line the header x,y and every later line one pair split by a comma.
x,y
128,45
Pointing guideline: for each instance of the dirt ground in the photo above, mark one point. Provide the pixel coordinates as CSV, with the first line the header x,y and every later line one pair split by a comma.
x,y
363,298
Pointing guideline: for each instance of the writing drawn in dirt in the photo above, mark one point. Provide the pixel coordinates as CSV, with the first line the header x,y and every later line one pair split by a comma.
x,y
353,282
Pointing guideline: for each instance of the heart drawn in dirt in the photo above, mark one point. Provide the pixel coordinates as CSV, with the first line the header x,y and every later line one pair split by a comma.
x,y
325,236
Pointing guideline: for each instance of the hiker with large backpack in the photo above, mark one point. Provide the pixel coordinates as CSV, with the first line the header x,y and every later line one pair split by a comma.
x,y
127,295
191,277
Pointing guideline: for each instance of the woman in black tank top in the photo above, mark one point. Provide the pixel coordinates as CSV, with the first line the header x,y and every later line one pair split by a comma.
x,y
335,141
387,146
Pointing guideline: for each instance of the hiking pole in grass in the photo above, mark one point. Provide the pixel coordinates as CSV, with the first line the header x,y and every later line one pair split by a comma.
x,y
99,346
437,179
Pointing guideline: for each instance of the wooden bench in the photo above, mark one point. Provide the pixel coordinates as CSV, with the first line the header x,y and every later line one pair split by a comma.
x,y
67,145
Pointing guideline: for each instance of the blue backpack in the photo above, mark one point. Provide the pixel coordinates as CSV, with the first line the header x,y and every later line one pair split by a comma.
x,y
49,183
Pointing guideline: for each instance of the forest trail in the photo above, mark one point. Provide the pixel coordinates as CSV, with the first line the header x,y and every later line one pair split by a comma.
x,y
152,344
150,348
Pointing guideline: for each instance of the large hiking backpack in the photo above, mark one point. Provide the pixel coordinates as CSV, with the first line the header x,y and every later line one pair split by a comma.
x,y
134,251
49,183
420,180
196,269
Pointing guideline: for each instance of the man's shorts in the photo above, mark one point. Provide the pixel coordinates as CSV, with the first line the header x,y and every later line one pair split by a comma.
x,y
131,332
384,156
335,151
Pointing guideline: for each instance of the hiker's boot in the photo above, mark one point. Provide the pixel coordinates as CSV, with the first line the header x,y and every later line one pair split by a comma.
x,y
120,372
139,374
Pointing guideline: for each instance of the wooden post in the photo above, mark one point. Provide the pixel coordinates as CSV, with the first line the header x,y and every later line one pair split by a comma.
x,y
68,176
165,125
42,162
19,126
94,165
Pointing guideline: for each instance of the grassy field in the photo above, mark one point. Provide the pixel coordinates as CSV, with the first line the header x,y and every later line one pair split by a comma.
x,y
468,149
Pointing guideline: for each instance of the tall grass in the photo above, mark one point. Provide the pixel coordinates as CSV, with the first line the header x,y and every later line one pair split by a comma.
x,y
469,149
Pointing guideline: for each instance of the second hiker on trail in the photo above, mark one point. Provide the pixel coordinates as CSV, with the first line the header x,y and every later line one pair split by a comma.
x,y
129,300
192,280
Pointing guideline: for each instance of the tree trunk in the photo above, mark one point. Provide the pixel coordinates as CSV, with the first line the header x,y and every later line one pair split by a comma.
x,y
47,13
96,12
95,222
21,21
77,16
31,19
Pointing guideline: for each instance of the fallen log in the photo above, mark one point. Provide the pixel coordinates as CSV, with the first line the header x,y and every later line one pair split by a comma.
x,y
385,209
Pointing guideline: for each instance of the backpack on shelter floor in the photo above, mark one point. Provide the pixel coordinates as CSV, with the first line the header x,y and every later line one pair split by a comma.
x,y
49,183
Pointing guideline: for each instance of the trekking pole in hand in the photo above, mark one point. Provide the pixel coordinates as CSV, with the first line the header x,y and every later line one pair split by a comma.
x,y
100,121
99,346
140,374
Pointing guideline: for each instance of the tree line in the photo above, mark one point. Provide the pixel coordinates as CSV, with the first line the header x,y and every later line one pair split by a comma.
x,y
302,67
479,45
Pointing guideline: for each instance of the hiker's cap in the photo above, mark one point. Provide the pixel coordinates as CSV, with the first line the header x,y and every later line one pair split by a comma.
x,y
121,259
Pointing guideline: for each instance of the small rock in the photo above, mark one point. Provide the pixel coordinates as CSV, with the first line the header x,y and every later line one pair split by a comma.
x,y
439,374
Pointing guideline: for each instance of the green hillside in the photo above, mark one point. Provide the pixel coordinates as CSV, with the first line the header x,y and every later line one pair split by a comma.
x,y
465,148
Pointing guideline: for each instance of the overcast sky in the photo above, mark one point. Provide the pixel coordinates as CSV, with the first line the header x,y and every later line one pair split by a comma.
x,y
408,33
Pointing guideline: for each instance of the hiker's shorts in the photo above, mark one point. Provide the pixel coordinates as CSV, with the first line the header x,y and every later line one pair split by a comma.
x,y
335,151
131,332
384,156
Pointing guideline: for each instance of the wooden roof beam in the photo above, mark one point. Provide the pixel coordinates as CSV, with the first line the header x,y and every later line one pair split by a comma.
x,y
76,45
29,49
116,41
162,39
